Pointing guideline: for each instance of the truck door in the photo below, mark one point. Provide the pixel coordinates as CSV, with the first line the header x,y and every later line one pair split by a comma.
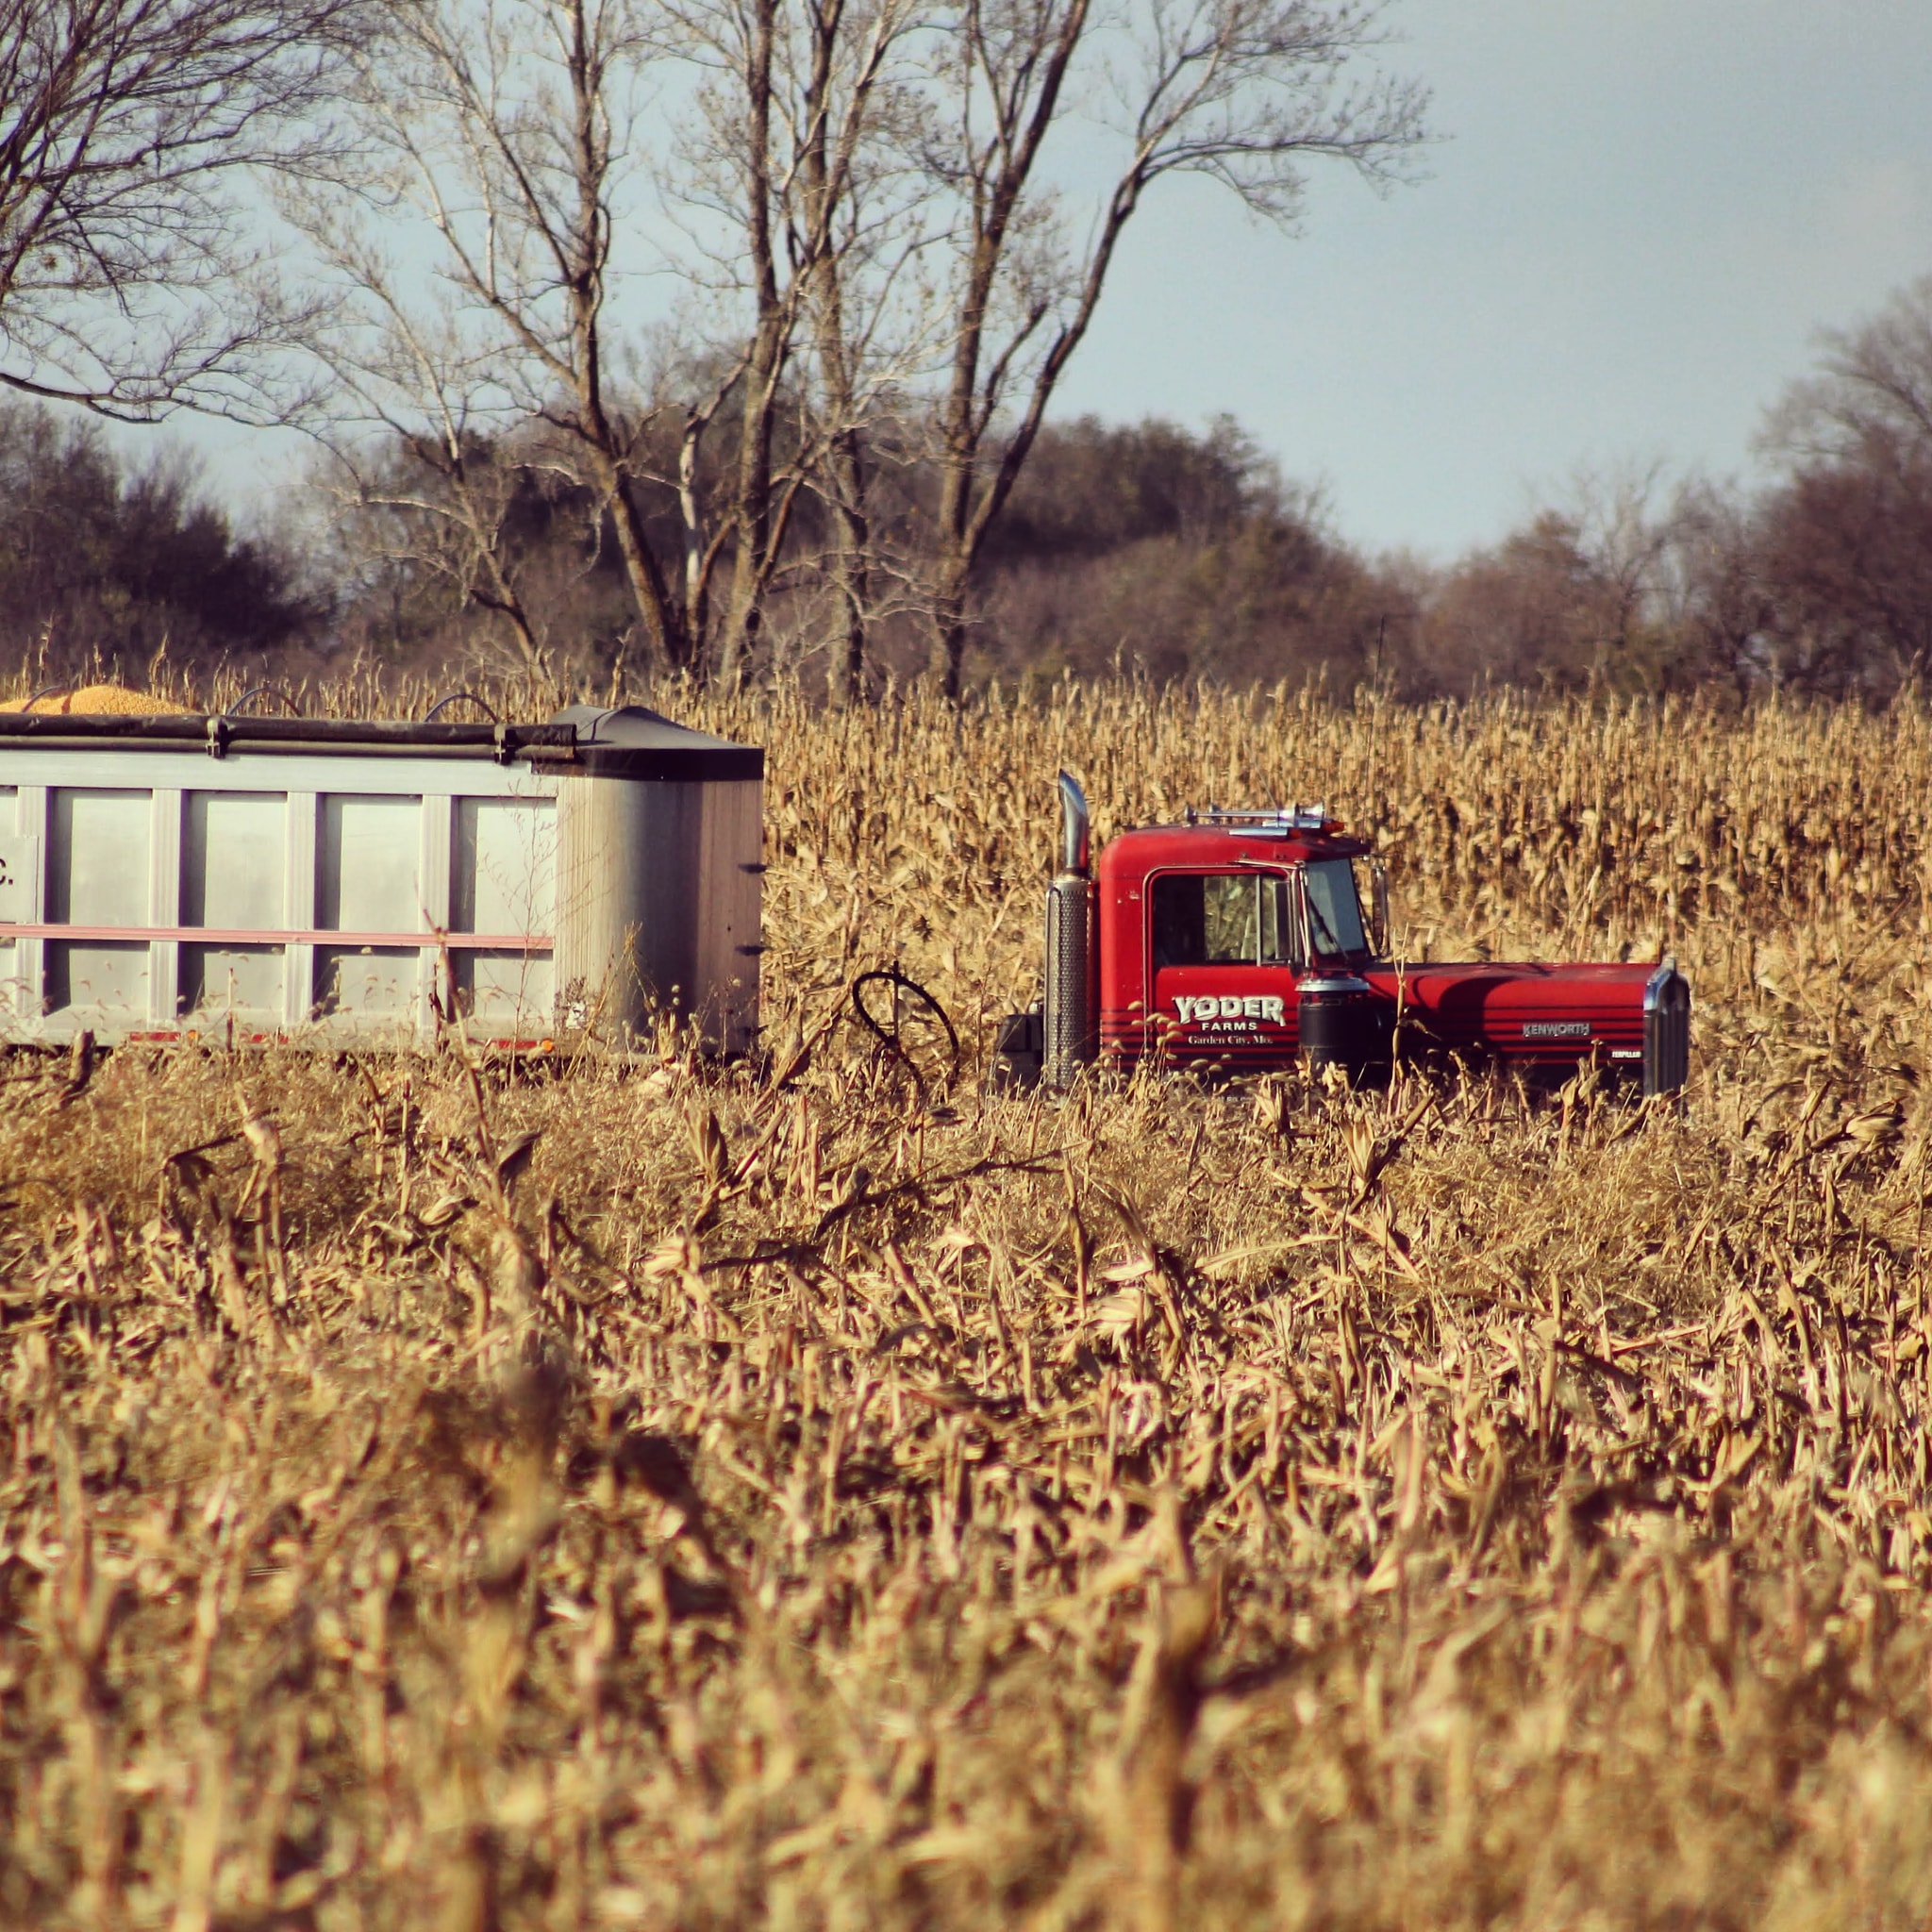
x,y
1221,968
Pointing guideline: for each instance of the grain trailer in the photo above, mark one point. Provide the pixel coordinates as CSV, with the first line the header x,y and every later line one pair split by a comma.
x,y
337,881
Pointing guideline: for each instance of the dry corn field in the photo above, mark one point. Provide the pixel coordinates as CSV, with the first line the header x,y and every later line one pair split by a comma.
x,y
447,1496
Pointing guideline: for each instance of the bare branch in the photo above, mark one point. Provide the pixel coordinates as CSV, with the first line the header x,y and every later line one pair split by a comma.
x,y
1242,91
500,131
129,282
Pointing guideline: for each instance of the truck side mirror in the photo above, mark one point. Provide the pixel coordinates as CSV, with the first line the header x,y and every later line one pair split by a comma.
x,y
1380,930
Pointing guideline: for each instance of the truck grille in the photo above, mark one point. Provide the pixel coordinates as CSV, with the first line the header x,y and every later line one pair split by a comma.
x,y
1666,1030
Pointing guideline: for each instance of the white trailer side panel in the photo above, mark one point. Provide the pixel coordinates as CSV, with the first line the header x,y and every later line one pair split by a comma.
x,y
347,882
268,895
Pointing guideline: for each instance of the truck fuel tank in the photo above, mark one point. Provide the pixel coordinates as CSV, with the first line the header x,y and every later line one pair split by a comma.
x,y
1343,1022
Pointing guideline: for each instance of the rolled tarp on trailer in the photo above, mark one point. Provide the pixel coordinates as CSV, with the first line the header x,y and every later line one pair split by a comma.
x,y
170,875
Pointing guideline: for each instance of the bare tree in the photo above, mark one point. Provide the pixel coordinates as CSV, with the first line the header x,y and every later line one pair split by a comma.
x,y
874,330
504,135
1607,585
1874,383
745,38
1848,536
830,151
1242,91
843,484
1719,599
507,135
441,505
810,221
411,427
1625,536
129,282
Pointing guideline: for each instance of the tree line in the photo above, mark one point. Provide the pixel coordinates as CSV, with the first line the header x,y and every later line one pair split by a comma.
x,y
1818,580
413,229
1141,547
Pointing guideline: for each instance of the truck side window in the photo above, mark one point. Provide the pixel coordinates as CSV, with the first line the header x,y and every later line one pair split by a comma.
x,y
1179,920
1228,919
1220,919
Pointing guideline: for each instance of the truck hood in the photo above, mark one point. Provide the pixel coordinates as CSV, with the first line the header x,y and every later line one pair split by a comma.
x,y
1522,1010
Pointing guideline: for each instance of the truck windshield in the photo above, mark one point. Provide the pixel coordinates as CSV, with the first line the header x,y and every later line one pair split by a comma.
x,y
1335,912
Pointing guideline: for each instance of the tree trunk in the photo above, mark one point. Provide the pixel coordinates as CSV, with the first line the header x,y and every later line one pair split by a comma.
x,y
958,527
946,654
663,615
665,618
851,574
752,511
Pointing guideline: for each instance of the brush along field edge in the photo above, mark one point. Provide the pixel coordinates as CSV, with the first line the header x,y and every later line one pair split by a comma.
x,y
436,1494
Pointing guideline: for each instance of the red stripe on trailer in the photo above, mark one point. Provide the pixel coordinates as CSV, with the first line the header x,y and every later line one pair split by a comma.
x,y
211,936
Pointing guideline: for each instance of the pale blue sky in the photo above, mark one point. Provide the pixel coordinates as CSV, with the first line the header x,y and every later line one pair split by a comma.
x,y
1640,212
1637,217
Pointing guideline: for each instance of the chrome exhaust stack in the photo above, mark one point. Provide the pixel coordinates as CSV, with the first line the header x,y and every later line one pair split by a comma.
x,y
1076,829
1071,1018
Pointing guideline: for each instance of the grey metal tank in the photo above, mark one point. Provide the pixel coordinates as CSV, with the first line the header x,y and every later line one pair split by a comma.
x,y
660,870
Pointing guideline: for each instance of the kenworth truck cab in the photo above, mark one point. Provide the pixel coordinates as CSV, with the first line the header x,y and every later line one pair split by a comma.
x,y
1237,941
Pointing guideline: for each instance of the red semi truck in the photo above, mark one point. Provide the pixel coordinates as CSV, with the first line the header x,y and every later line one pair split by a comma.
x,y
1237,941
